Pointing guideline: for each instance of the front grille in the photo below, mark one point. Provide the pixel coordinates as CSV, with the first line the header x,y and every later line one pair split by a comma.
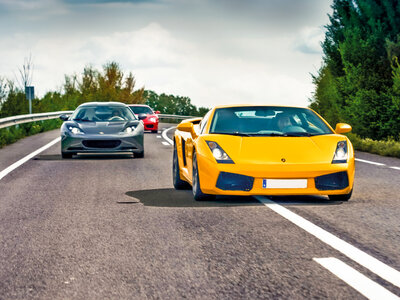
x,y
234,182
105,144
335,181
150,126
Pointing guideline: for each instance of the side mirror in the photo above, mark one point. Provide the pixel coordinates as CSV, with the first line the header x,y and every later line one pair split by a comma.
x,y
64,117
342,128
185,126
142,116
157,112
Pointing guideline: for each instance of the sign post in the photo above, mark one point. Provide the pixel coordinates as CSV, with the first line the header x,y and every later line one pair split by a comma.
x,y
30,94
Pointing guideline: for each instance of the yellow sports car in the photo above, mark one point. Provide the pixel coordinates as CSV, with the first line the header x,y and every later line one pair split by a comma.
x,y
263,150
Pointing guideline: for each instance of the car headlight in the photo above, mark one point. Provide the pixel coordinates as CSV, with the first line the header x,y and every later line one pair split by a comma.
x,y
219,154
75,130
341,153
129,129
153,119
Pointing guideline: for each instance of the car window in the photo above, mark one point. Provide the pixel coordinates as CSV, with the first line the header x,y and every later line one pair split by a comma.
x,y
203,122
141,110
103,114
268,120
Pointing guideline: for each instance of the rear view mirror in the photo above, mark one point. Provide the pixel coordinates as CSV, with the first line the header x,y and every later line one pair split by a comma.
x,y
342,128
64,117
142,116
157,112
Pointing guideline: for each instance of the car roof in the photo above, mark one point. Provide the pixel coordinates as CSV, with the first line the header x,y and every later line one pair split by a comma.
x,y
138,105
102,104
256,105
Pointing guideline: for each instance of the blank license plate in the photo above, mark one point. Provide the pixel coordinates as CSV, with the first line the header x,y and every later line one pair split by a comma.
x,y
284,183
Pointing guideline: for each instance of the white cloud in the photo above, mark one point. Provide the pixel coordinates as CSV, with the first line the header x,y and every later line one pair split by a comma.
x,y
254,71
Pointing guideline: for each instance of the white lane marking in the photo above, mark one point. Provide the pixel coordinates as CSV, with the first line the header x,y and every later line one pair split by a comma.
x,y
28,157
369,162
355,279
371,263
396,168
159,136
165,143
165,137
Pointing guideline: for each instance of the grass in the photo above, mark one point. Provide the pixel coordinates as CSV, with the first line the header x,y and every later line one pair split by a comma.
x,y
12,134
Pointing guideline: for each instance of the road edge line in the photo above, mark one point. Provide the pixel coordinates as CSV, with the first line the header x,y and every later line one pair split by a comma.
x,y
23,160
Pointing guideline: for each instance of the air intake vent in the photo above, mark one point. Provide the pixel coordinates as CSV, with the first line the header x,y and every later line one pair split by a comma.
x,y
103,144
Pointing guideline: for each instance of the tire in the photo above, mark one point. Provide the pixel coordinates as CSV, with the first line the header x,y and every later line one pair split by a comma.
x,y
198,195
344,197
179,184
66,155
154,131
139,154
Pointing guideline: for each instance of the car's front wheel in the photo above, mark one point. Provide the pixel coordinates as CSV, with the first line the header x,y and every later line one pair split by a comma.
x,y
139,154
66,155
197,193
179,184
344,197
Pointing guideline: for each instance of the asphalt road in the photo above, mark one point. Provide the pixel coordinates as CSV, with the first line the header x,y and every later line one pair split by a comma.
x,y
113,227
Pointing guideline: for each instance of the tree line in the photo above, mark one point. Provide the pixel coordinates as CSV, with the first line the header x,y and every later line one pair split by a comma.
x,y
359,81
108,84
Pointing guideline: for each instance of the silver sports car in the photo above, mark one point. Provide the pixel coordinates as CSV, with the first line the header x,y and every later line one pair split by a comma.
x,y
97,127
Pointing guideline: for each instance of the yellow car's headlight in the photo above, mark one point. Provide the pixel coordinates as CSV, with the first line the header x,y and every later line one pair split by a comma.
x,y
219,154
341,153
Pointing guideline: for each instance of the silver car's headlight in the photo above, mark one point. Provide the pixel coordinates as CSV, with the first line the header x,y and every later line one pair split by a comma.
x,y
341,153
75,130
129,129
219,154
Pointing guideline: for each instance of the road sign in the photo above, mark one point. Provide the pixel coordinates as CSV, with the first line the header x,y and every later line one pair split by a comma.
x,y
30,94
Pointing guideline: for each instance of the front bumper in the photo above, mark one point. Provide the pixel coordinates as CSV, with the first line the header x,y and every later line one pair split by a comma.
x,y
248,179
95,143
150,125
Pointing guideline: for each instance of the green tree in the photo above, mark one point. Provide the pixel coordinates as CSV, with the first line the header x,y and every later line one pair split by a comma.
x,y
359,80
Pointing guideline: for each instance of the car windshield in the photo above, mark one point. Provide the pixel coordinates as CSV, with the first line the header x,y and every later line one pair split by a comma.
x,y
103,114
141,110
268,121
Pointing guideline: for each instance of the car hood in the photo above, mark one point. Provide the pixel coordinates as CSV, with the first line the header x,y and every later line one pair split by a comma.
x,y
105,127
293,150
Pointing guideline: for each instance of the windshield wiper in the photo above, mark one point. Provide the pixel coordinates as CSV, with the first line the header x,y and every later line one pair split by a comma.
x,y
298,134
234,133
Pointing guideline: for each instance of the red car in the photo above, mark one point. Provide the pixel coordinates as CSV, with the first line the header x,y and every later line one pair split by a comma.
x,y
151,120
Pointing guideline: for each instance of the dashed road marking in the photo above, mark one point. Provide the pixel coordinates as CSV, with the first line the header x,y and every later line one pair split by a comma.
x,y
355,279
371,263
396,168
159,136
28,157
166,143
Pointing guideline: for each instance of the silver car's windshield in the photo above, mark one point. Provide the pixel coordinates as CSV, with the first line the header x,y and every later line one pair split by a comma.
x,y
268,121
103,114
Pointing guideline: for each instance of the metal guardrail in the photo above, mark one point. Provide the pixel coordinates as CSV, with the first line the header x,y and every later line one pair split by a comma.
x,y
165,116
15,120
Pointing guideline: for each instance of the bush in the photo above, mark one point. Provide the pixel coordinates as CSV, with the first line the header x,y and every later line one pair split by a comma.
x,y
388,147
12,134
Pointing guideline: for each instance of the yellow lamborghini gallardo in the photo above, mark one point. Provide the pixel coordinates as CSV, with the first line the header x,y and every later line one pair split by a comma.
x,y
263,150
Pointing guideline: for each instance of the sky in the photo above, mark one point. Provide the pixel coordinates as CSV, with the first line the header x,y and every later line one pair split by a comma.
x,y
213,51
